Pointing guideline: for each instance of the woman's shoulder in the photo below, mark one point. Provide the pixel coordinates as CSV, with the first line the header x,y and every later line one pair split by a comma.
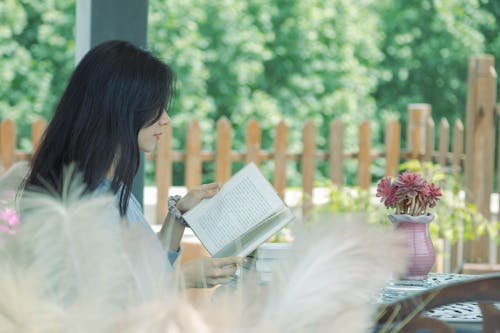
x,y
134,210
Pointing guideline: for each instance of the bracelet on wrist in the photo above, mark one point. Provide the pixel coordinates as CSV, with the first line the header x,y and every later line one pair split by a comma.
x,y
174,211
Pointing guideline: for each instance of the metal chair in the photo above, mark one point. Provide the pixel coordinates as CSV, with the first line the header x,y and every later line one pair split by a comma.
x,y
409,314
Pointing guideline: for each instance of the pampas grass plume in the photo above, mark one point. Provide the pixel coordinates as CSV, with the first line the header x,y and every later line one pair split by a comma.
x,y
74,266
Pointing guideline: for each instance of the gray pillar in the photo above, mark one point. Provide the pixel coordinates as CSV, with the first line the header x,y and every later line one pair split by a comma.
x,y
101,20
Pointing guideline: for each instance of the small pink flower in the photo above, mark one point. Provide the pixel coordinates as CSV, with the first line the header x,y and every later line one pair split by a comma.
x,y
433,195
409,184
10,221
10,216
384,189
390,201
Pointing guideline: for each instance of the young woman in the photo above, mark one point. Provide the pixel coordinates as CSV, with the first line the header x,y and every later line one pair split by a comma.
x,y
113,108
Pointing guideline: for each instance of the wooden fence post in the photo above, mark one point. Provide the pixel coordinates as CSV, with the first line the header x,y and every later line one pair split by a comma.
x,y
364,158
163,173
429,140
336,150
193,155
308,165
392,147
253,142
416,129
280,160
498,171
442,244
223,151
37,130
8,132
456,249
458,147
444,142
480,139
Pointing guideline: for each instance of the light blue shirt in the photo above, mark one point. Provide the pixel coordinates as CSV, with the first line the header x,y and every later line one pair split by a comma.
x,y
135,216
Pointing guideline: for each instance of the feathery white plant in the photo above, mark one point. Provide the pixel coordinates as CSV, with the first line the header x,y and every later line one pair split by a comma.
x,y
74,266
82,258
328,282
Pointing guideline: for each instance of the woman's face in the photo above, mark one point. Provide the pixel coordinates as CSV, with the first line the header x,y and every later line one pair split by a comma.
x,y
150,135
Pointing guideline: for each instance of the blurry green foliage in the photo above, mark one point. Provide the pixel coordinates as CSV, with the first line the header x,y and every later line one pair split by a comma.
x,y
454,217
36,59
426,49
269,59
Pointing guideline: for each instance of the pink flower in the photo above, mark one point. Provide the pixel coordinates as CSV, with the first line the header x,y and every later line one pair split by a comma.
x,y
384,189
409,194
10,216
409,185
433,195
11,220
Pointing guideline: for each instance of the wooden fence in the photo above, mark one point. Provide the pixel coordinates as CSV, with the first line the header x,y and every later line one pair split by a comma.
x,y
224,156
444,145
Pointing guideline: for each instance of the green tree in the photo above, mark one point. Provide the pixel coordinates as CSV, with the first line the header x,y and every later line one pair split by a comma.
x,y
426,48
270,60
36,57
490,29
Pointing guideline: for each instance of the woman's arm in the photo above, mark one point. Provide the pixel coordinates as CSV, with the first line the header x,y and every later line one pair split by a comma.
x,y
172,231
201,272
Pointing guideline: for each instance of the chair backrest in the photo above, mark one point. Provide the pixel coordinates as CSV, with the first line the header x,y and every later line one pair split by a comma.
x,y
408,311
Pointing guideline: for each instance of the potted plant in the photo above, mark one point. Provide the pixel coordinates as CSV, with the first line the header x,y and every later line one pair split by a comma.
x,y
411,196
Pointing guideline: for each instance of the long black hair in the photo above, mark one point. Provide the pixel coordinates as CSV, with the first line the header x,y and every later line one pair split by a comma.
x,y
116,89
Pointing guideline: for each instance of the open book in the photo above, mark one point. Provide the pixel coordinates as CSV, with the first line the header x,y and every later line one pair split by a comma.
x,y
239,218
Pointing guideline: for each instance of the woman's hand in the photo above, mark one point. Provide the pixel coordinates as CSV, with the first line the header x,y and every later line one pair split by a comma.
x,y
193,197
207,272
171,232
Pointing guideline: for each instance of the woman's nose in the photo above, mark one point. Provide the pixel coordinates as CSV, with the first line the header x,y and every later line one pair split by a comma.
x,y
164,119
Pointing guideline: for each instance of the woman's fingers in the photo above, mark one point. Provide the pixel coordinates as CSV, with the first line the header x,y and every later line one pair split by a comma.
x,y
223,270
227,270
227,261
209,190
210,271
224,267
215,281
196,195
210,186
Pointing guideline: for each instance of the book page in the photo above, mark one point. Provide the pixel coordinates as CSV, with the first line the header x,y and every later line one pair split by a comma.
x,y
249,241
244,201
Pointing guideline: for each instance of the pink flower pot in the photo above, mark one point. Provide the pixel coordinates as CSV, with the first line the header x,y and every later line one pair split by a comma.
x,y
421,255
